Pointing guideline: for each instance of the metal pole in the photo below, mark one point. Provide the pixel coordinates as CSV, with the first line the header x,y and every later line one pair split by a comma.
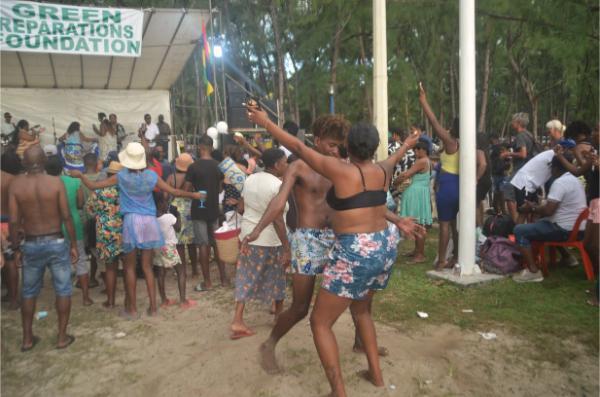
x,y
331,99
222,67
380,96
468,128
213,66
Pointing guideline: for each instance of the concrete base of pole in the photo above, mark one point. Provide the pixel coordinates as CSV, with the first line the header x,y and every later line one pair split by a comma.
x,y
464,281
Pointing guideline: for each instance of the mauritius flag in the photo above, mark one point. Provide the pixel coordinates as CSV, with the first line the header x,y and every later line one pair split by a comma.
x,y
208,78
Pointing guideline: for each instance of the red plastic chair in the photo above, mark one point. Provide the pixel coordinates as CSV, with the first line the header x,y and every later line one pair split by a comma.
x,y
573,241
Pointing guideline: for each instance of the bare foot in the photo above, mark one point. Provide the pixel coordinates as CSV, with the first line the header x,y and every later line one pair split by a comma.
x,y
239,331
187,304
366,375
151,313
383,351
107,305
168,302
418,259
87,302
267,360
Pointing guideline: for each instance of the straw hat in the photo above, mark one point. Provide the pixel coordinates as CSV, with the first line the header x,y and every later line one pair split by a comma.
x,y
183,162
133,157
114,167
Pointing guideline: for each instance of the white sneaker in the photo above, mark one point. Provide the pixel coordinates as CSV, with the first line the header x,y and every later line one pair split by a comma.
x,y
528,277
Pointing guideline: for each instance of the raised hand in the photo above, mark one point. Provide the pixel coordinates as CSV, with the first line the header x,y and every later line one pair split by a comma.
x,y
257,115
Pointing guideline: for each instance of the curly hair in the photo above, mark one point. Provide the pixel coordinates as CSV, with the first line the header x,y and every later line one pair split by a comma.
x,y
332,126
363,140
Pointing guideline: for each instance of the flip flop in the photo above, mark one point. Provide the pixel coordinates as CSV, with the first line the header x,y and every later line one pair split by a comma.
x,y
34,341
201,287
168,302
241,334
70,340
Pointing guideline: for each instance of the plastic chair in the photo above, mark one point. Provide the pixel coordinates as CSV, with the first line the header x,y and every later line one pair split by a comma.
x,y
573,241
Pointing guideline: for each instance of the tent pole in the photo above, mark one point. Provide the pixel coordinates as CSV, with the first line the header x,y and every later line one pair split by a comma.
x,y
380,95
468,128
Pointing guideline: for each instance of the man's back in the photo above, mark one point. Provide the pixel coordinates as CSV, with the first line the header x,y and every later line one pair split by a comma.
x,y
205,175
310,191
37,198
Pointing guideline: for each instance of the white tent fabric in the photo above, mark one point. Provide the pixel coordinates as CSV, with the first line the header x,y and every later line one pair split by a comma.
x,y
169,37
59,107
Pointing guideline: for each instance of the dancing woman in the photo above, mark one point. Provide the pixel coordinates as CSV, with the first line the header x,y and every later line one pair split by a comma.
x,y
140,228
366,245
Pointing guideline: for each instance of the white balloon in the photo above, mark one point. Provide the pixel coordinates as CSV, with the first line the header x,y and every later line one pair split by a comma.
x,y
222,127
212,132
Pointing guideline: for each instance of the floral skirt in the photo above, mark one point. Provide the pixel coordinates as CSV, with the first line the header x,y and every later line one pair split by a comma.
x,y
260,274
361,262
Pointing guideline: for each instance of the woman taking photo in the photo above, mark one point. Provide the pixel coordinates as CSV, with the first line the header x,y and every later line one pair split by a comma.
x,y
366,244
416,199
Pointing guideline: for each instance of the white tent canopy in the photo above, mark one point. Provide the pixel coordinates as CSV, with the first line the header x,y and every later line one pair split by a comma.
x,y
169,37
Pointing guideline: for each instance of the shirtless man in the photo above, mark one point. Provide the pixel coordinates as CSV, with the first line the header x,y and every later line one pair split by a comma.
x,y
38,203
11,167
313,238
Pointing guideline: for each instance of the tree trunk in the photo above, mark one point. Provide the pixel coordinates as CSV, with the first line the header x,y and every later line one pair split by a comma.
x,y
363,57
485,88
279,55
527,84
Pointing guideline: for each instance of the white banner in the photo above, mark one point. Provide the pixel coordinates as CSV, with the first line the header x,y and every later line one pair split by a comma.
x,y
58,28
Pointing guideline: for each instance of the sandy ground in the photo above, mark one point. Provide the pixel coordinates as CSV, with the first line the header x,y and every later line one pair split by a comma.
x,y
188,353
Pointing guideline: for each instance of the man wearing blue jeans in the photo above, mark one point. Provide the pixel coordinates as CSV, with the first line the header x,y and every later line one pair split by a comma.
x,y
38,204
566,200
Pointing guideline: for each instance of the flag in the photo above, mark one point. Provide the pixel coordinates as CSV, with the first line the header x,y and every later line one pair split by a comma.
x,y
207,73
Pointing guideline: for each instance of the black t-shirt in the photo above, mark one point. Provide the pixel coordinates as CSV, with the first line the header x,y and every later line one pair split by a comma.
x,y
205,175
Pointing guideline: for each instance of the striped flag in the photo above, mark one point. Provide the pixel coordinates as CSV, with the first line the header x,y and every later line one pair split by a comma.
x,y
207,72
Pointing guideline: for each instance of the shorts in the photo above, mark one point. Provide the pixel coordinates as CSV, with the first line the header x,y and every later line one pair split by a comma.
x,y
361,262
542,230
36,256
310,250
203,231
594,211
82,266
511,193
446,197
483,188
166,256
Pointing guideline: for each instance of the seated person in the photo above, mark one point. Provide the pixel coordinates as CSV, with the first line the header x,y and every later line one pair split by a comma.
x,y
566,200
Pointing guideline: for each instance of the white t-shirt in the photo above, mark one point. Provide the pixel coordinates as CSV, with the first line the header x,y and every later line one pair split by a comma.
x,y
151,131
258,191
535,173
569,193
7,128
166,223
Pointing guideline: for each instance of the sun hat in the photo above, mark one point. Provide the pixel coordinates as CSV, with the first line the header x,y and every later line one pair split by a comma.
x,y
133,157
114,167
183,162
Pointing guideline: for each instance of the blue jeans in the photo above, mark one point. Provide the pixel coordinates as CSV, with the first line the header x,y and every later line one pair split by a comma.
x,y
542,230
36,256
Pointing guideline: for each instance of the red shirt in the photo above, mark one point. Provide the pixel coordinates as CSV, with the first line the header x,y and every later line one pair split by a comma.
x,y
156,167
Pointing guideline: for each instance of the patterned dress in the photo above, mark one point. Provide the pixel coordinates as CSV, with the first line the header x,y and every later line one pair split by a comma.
x,y
104,204
186,234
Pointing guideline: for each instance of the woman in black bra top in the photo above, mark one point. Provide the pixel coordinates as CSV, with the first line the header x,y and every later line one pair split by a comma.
x,y
365,246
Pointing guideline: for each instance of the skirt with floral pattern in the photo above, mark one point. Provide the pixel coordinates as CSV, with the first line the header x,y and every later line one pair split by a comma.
x,y
361,262
260,274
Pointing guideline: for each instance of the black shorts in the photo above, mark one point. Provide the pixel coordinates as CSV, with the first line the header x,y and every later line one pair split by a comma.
x,y
521,196
483,188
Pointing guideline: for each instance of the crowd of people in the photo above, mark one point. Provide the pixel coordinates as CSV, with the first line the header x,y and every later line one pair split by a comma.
x,y
321,210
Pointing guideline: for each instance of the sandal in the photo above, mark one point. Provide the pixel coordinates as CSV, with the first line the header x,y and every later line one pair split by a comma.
x,y
70,340
34,341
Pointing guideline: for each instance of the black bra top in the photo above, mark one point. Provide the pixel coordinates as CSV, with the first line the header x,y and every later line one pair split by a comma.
x,y
366,198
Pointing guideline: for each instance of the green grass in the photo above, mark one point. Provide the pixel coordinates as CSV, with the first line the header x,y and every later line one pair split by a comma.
x,y
555,308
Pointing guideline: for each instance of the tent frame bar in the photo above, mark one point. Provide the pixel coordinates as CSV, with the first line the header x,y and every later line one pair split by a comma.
x,y
162,62
135,59
22,69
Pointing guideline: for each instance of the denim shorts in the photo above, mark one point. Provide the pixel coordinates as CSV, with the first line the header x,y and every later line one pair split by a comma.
x,y
203,231
542,230
36,256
